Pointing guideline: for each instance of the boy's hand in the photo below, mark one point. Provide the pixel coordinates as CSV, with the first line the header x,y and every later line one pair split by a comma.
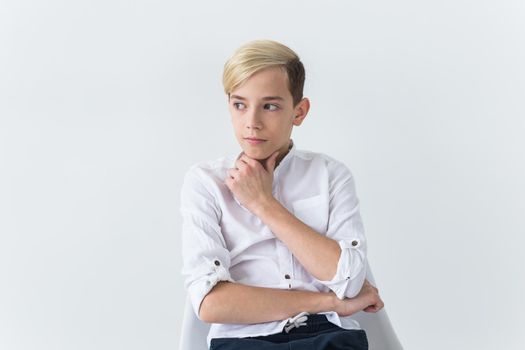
x,y
250,181
367,300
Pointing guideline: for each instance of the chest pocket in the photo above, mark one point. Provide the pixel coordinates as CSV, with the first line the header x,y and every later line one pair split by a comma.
x,y
313,211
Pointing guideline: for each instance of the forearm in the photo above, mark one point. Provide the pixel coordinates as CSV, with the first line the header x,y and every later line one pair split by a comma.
x,y
238,303
317,253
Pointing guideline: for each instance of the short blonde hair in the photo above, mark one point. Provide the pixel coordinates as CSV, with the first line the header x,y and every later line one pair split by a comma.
x,y
260,54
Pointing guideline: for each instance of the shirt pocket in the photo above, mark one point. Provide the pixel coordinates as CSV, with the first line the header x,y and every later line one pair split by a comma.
x,y
313,211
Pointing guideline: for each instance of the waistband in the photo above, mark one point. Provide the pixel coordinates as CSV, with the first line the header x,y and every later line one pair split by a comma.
x,y
306,321
317,319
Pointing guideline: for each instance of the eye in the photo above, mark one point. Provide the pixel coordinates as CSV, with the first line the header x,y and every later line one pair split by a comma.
x,y
237,103
270,104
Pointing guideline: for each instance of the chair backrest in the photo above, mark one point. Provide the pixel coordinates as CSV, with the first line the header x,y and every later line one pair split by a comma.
x,y
380,333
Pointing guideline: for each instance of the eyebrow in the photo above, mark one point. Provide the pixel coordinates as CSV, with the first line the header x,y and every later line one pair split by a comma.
x,y
267,98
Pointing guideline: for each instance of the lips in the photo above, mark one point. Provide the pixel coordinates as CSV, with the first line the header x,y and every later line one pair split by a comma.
x,y
254,139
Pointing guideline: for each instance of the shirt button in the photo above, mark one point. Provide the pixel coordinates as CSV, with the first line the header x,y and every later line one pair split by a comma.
x,y
217,262
287,276
354,243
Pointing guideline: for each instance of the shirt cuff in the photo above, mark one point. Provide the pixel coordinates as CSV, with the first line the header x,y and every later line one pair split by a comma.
x,y
351,269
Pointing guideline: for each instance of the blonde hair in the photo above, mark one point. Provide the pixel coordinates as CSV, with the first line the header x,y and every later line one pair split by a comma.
x,y
260,54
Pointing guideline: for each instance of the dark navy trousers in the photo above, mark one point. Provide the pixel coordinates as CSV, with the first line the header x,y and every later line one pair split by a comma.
x,y
317,334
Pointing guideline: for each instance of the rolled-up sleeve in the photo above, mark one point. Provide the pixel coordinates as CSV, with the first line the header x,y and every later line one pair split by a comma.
x,y
206,260
345,226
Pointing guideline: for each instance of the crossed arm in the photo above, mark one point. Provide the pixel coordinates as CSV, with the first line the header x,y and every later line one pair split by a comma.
x,y
231,302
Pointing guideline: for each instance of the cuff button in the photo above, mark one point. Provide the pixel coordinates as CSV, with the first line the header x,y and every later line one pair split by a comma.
x,y
217,262
355,243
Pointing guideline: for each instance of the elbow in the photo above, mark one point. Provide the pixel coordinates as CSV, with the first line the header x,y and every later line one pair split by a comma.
x,y
210,309
205,314
355,287
351,293
350,285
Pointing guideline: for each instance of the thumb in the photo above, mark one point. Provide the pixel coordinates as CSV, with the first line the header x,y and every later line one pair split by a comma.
x,y
270,162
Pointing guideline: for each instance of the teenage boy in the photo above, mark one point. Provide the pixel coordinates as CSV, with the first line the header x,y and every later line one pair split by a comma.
x,y
274,251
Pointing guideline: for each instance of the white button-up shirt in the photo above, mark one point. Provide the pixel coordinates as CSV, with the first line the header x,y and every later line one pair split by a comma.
x,y
224,241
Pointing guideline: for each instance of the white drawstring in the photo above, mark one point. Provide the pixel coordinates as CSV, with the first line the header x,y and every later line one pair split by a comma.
x,y
296,321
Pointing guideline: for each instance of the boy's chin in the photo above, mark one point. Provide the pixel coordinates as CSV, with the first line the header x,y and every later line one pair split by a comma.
x,y
256,155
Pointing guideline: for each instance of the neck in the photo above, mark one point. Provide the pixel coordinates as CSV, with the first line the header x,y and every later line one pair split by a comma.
x,y
281,155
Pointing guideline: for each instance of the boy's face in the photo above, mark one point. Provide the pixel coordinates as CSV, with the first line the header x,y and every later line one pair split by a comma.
x,y
262,108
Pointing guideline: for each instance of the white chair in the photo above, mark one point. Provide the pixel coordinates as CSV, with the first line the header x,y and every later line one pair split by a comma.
x,y
380,333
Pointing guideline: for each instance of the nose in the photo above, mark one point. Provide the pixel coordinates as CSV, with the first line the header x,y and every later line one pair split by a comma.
x,y
253,120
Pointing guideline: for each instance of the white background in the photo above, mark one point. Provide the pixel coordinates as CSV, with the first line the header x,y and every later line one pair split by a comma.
x,y
105,104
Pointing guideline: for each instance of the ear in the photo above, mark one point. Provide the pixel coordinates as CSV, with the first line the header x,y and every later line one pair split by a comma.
x,y
301,110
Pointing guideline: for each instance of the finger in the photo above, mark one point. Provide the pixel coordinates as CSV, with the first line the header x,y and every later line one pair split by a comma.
x,y
372,308
233,173
379,305
240,164
252,162
368,309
